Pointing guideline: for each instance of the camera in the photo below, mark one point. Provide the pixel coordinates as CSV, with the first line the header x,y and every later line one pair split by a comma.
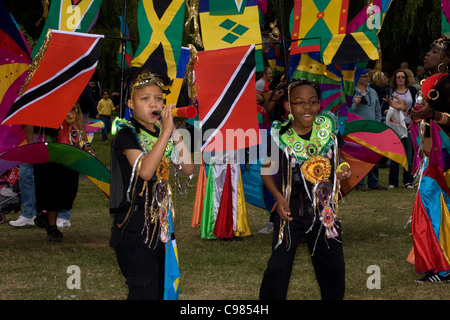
x,y
363,100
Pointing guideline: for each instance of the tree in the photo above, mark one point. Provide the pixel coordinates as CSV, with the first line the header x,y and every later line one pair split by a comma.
x,y
408,30
108,24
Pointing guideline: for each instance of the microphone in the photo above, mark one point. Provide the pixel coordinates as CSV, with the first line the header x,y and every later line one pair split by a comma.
x,y
184,112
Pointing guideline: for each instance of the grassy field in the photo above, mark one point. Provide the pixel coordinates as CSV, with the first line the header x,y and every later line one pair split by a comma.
x,y
374,234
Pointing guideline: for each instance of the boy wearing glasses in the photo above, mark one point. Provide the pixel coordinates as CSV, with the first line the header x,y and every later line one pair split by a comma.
x,y
308,167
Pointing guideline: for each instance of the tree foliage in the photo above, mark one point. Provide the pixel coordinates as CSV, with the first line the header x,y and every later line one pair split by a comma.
x,y
409,28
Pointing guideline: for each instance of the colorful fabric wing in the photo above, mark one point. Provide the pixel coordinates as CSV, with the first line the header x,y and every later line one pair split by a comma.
x,y
14,60
207,218
230,23
224,211
314,19
14,64
226,100
66,155
93,127
242,225
58,76
223,227
431,218
69,15
199,197
160,25
171,267
366,142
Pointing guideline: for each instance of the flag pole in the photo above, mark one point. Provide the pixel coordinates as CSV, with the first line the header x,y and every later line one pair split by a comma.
x,y
124,46
283,43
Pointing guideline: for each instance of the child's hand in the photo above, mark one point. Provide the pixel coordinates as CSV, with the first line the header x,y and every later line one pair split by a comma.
x,y
167,119
283,209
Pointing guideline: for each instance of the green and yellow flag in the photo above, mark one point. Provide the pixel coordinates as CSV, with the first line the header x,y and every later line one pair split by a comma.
x,y
314,19
231,23
160,26
69,15
350,48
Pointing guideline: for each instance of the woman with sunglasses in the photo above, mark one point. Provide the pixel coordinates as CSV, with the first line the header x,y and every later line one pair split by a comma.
x,y
403,93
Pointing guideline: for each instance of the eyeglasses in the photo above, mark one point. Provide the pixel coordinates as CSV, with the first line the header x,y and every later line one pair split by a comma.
x,y
400,77
303,103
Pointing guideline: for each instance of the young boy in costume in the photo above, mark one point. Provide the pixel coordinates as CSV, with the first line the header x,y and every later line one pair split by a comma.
x,y
141,201
309,170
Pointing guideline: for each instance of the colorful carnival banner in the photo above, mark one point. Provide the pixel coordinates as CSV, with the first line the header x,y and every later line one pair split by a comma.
x,y
59,73
230,23
314,19
160,25
226,100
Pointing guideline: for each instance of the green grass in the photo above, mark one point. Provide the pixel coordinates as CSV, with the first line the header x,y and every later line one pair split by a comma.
x,y
373,234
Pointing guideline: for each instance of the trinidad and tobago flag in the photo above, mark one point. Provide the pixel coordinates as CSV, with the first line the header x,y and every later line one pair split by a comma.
x,y
226,100
58,75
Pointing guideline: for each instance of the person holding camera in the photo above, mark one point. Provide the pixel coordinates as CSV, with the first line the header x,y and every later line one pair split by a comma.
x,y
367,105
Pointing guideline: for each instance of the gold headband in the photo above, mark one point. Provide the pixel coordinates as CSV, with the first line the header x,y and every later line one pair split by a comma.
x,y
440,43
144,79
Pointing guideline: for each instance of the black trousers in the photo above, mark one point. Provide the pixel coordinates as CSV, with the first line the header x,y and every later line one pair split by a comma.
x,y
143,269
327,260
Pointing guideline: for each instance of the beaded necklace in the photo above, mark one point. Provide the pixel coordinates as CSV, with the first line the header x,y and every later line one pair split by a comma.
x,y
313,156
325,126
160,207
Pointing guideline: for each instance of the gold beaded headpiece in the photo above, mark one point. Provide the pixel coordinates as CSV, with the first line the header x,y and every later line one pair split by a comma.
x,y
440,43
144,79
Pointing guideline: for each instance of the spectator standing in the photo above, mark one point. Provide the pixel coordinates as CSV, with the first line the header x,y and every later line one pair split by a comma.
x,y
366,104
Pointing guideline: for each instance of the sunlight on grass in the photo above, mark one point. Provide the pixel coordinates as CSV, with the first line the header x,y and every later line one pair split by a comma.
x,y
374,233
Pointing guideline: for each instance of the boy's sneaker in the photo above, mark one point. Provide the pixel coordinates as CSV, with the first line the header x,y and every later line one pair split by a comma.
x,y
53,234
22,222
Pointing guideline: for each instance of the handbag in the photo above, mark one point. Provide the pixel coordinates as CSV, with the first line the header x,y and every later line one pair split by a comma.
x,y
395,119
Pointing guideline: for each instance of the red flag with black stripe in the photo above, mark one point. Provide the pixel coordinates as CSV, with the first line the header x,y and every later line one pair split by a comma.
x,y
226,98
58,75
